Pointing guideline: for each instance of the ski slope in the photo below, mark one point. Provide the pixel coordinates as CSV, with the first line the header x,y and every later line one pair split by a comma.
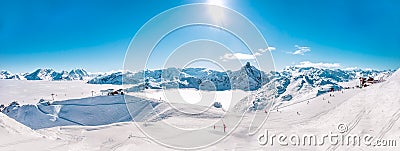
x,y
373,110
101,110
15,136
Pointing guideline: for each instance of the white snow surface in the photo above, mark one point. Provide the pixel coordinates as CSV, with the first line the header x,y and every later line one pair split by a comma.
x,y
374,110
31,91
15,136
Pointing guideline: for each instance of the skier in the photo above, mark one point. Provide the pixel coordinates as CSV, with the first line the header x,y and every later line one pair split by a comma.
x,y
224,128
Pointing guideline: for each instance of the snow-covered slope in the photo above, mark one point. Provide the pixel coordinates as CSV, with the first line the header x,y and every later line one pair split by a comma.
x,y
91,111
9,125
31,91
88,111
31,116
364,111
16,136
298,84
373,110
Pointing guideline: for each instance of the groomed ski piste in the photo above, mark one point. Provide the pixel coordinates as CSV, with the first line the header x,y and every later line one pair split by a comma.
x,y
100,123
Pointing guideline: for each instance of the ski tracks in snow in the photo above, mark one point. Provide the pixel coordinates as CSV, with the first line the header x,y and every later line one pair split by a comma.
x,y
388,126
350,127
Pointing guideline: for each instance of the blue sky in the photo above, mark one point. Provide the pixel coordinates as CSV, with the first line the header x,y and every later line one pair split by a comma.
x,y
95,34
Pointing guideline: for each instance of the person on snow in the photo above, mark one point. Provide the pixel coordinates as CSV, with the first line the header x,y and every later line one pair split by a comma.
x,y
224,128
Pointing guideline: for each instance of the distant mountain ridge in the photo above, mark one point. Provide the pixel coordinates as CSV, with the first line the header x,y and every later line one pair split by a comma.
x,y
47,74
247,78
7,75
299,79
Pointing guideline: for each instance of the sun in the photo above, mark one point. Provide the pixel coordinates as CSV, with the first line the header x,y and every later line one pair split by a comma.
x,y
216,2
217,14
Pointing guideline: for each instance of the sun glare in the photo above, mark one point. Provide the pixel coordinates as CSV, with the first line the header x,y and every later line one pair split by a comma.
x,y
216,2
217,14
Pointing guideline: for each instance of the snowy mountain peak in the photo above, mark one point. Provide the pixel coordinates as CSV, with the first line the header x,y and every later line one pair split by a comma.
x,y
8,75
42,74
77,74
247,64
4,74
247,78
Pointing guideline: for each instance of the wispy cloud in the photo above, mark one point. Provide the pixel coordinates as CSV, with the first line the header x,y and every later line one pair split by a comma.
x,y
239,56
243,56
267,49
318,65
300,50
257,54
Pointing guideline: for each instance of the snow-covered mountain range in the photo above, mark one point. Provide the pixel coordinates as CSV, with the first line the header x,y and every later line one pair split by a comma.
x,y
247,78
301,80
47,74
298,79
7,75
